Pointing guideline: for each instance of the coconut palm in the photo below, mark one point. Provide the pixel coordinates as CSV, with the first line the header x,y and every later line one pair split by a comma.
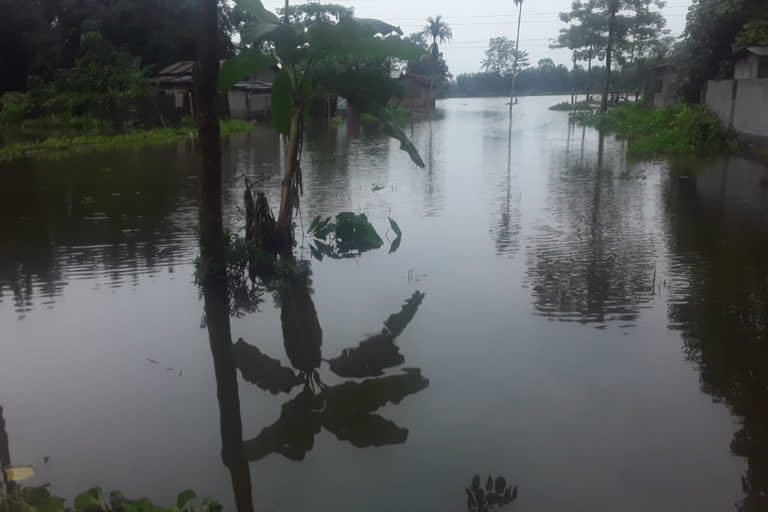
x,y
519,3
439,31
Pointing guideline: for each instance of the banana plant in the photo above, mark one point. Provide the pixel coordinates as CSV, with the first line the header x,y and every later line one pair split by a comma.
x,y
310,62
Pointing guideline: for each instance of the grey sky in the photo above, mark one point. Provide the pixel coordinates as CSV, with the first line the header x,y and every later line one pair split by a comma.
x,y
476,21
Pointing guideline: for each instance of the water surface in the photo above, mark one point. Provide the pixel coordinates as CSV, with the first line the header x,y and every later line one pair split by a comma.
x,y
592,328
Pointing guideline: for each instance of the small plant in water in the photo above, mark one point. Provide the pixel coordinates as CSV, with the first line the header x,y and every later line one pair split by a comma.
x,y
15,498
497,493
347,236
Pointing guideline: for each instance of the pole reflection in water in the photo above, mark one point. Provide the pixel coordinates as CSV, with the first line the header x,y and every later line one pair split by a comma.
x,y
220,338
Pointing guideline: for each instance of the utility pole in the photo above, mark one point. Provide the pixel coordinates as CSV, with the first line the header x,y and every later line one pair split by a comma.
x,y
517,55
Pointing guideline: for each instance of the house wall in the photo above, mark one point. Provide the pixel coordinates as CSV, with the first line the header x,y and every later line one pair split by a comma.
x,y
751,108
746,67
244,105
741,104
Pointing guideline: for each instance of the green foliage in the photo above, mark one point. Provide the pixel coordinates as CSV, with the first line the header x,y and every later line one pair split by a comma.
x,y
39,499
754,33
57,145
312,61
101,74
499,56
247,62
706,49
579,105
348,235
14,107
679,129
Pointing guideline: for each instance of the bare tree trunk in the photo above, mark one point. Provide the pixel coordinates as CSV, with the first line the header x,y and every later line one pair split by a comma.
x,y
517,56
289,191
206,75
286,16
608,55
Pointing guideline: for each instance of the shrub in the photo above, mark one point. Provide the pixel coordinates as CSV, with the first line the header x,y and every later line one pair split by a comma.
x,y
678,129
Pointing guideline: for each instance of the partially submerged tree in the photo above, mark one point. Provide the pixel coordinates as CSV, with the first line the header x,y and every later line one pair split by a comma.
x,y
309,69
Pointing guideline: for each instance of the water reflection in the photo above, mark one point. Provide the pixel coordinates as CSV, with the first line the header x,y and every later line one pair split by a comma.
x,y
346,410
717,220
59,224
506,229
594,261
220,338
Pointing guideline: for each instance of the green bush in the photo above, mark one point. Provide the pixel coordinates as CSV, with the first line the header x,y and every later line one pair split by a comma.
x,y
678,129
14,106
580,105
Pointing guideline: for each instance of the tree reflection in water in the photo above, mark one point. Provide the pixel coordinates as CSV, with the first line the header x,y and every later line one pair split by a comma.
x,y
719,302
346,410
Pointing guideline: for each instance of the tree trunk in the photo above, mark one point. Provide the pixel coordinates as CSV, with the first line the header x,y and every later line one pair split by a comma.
x,y
286,16
608,55
589,75
206,76
289,191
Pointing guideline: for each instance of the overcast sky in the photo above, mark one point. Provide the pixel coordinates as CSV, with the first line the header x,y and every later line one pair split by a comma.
x,y
476,21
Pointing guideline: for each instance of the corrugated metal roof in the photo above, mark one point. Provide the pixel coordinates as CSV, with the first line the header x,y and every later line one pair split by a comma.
x,y
183,67
758,50
254,85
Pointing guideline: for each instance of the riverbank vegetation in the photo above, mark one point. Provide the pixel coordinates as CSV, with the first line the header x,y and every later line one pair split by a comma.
x,y
55,145
567,106
675,130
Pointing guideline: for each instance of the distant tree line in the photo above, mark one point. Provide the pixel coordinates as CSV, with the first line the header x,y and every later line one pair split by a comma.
x,y
545,78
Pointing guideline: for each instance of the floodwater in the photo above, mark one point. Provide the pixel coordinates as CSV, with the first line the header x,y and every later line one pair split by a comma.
x,y
594,329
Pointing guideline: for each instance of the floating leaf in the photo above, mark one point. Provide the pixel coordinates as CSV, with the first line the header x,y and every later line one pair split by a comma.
x,y
185,497
395,227
514,493
475,482
19,473
489,483
507,495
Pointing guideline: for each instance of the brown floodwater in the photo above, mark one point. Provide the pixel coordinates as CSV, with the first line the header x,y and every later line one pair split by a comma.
x,y
592,328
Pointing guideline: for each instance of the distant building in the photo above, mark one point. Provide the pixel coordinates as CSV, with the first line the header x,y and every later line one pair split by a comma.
x,y
176,80
751,62
741,103
660,86
249,99
419,92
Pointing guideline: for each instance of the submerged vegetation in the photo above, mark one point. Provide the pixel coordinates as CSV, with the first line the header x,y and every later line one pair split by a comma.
x,y
674,130
59,144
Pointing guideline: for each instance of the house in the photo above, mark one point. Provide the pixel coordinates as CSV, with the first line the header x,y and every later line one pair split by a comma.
x,y
741,102
176,80
248,99
418,92
660,86
751,62
252,98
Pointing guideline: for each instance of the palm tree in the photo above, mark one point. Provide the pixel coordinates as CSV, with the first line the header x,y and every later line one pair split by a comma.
x,y
517,53
439,31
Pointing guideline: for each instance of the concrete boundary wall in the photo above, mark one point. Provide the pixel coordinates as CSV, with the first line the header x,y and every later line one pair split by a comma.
x,y
742,105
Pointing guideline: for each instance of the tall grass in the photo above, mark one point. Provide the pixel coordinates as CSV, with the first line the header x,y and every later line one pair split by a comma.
x,y
59,144
674,130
